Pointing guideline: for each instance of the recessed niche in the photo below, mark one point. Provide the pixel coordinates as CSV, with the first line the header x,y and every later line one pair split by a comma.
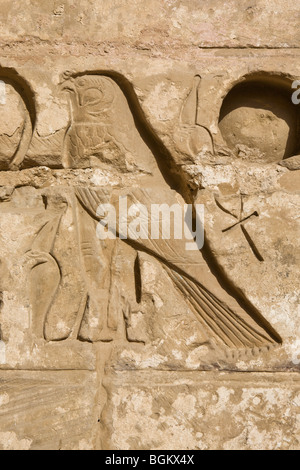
x,y
259,121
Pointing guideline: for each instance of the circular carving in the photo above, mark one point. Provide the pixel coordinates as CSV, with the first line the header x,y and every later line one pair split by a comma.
x,y
259,121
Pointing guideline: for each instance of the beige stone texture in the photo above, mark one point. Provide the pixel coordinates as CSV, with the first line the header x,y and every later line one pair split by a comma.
x,y
125,343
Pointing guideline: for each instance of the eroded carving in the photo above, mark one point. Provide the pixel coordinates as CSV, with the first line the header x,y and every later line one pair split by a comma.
x,y
103,133
18,119
216,309
235,207
45,274
192,138
124,343
258,120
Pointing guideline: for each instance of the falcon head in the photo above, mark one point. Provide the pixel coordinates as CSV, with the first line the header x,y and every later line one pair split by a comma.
x,y
91,96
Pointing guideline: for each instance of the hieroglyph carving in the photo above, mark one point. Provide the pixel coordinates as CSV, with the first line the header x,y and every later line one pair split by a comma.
x,y
102,133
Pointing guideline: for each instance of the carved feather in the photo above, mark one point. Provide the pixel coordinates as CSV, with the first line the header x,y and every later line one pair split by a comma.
x,y
241,329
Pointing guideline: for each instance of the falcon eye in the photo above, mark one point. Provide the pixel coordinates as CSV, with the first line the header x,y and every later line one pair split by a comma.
x,y
81,82
92,97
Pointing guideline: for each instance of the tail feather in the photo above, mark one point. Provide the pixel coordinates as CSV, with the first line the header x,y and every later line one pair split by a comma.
x,y
226,326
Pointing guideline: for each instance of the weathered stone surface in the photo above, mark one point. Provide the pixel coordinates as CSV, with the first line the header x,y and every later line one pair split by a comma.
x,y
127,342
200,23
47,410
187,411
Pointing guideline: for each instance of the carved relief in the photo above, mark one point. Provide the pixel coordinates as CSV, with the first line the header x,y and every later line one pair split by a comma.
x,y
17,119
102,132
216,309
191,138
105,132
234,206
44,276
181,121
258,120
97,324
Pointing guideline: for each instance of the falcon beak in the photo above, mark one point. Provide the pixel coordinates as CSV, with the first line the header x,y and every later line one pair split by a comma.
x,y
67,82
67,87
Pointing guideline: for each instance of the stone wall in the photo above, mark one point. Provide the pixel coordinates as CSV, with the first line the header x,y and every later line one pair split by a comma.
x,y
139,343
